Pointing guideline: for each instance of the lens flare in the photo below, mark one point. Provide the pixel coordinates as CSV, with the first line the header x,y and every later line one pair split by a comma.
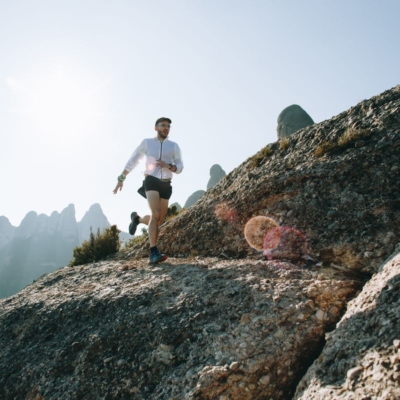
x,y
272,239
292,245
256,230
225,213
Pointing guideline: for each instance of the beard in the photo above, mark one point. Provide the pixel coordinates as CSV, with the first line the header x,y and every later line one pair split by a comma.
x,y
163,135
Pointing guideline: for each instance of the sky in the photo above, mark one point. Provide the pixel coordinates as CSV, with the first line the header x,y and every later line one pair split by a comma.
x,y
82,83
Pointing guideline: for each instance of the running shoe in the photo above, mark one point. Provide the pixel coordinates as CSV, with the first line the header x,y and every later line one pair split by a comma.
x,y
134,223
157,257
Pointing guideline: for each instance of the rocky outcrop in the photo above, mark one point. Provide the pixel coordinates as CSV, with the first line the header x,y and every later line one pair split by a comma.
x,y
335,185
292,119
42,244
93,219
361,359
216,174
6,232
194,198
296,231
186,329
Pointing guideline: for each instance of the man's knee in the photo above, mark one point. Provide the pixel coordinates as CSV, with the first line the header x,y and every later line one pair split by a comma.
x,y
156,214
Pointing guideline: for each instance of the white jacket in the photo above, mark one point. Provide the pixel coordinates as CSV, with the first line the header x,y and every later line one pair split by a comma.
x,y
154,150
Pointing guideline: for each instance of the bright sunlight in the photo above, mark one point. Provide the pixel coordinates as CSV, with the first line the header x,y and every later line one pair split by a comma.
x,y
62,107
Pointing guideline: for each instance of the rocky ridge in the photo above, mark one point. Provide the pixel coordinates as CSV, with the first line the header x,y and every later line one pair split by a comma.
x,y
6,231
361,359
195,329
245,322
337,183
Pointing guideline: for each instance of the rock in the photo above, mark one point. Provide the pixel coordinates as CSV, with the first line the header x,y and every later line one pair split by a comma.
x,y
360,359
93,219
310,179
245,323
320,315
234,366
6,231
265,379
216,174
291,119
194,198
186,329
354,373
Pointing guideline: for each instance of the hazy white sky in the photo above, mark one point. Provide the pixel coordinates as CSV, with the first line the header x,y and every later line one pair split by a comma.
x,y
83,81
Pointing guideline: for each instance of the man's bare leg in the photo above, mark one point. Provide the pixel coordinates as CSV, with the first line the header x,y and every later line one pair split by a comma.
x,y
144,220
153,198
164,209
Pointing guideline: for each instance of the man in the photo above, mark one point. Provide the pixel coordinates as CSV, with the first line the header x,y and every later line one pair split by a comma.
x,y
163,158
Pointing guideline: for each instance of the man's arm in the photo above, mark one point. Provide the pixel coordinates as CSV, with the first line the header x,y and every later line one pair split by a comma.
x,y
120,182
136,156
177,160
133,161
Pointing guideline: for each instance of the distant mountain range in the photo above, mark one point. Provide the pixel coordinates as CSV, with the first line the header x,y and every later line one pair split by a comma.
x,y
42,244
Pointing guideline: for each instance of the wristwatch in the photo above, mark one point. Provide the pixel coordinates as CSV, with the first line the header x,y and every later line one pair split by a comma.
x,y
170,166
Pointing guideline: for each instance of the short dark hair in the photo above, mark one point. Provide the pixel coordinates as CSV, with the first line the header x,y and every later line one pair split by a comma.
x,y
163,119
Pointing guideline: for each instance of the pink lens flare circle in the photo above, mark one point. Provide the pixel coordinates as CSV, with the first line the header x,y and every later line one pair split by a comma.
x,y
256,230
292,244
225,213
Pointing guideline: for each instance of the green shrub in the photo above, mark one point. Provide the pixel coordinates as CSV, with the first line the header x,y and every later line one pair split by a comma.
x,y
97,247
171,213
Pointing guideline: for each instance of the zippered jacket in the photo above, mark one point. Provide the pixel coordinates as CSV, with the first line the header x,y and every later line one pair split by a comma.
x,y
154,150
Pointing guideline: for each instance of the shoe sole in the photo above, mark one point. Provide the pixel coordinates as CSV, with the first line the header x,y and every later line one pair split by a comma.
x,y
162,259
132,225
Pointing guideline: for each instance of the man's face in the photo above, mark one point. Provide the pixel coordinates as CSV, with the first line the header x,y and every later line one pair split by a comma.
x,y
162,129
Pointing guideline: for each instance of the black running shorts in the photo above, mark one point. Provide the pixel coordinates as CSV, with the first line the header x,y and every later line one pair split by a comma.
x,y
163,188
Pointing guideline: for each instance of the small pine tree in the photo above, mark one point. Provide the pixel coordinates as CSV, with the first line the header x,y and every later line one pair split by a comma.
x,y
97,247
171,213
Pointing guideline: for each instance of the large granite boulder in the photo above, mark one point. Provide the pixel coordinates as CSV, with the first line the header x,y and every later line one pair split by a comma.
x,y
296,230
291,119
194,198
186,329
335,185
216,174
361,359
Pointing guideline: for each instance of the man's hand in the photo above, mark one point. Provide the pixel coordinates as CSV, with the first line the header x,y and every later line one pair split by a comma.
x,y
162,164
119,186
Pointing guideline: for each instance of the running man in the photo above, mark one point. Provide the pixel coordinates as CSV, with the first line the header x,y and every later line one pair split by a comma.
x,y
163,158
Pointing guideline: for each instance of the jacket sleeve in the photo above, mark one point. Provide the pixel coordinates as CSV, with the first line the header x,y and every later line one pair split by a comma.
x,y
136,156
178,159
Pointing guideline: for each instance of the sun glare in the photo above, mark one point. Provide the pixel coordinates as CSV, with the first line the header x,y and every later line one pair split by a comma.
x,y
62,107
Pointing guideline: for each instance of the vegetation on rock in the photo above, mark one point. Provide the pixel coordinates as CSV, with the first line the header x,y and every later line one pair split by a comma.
x,y
98,246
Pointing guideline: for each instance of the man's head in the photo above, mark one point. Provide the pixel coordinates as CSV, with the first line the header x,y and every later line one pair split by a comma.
x,y
163,125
